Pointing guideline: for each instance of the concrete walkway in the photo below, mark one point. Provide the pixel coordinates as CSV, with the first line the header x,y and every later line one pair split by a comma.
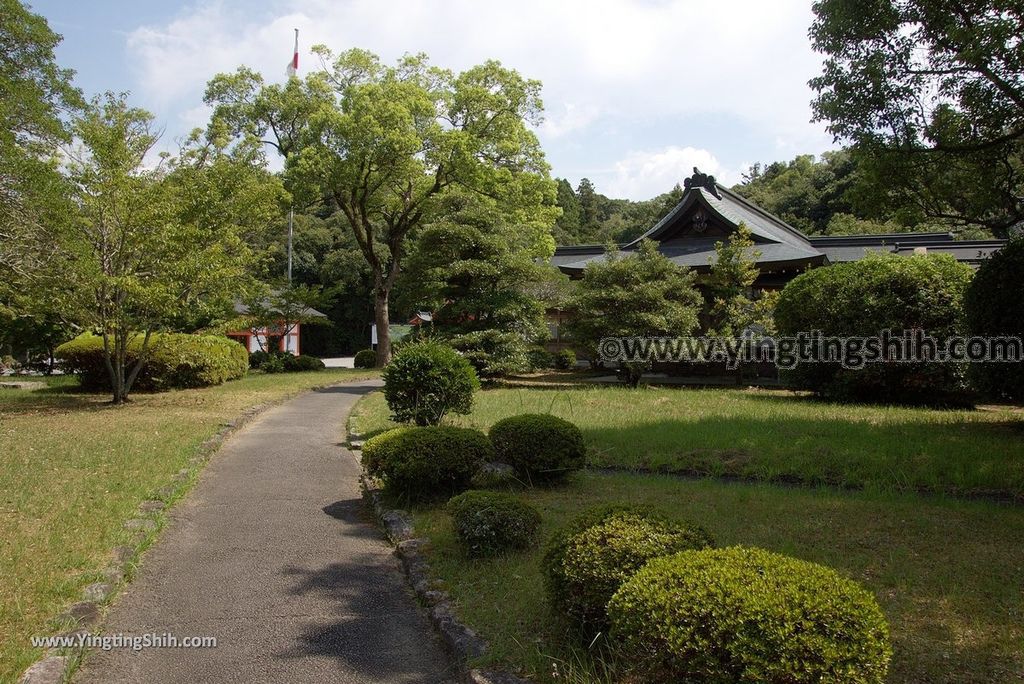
x,y
273,554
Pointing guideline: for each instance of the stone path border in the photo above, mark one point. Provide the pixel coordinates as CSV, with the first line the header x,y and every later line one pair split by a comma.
x,y
460,639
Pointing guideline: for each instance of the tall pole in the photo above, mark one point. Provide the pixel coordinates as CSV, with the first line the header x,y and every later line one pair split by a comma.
x,y
291,219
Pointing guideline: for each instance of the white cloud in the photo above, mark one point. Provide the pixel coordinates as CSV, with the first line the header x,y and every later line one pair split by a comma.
x,y
570,119
642,175
632,61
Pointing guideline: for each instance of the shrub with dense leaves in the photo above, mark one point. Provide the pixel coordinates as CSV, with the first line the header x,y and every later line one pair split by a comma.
x,y
431,462
493,353
274,363
995,308
302,363
541,447
565,359
747,615
863,299
585,564
258,358
377,450
365,358
539,358
174,361
425,381
491,523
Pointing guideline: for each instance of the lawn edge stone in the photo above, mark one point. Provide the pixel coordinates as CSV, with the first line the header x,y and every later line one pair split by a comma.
x,y
461,640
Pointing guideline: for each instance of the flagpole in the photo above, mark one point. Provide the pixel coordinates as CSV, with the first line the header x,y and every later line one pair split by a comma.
x,y
293,68
291,219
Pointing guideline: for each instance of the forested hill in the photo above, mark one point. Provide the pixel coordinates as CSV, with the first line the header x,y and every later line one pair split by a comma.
x,y
819,196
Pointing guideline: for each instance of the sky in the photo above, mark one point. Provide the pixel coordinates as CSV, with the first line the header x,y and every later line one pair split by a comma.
x,y
636,92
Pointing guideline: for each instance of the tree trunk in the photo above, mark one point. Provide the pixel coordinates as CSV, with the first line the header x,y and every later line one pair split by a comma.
x,y
381,317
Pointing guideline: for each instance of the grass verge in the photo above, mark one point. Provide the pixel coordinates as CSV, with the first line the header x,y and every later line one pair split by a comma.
x,y
771,435
73,468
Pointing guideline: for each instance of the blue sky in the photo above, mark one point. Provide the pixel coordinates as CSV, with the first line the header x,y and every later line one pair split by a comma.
x,y
636,92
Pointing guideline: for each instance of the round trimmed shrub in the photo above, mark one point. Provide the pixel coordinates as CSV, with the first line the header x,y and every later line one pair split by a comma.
x,y
432,462
492,523
425,381
995,308
565,359
863,298
377,450
586,564
746,614
541,447
365,358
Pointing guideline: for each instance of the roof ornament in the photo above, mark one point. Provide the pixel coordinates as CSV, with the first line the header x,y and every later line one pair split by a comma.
x,y
702,180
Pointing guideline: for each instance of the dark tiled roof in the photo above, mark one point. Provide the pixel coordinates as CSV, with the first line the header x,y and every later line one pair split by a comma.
x,y
779,243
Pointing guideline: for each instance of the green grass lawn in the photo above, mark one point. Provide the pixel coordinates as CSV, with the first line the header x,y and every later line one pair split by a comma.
x,y
73,468
773,435
948,574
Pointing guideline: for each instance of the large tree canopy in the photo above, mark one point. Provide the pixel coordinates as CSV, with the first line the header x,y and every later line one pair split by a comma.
x,y
35,94
384,144
932,94
147,246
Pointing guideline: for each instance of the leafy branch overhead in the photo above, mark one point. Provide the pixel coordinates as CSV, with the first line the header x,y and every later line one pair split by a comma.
x,y
932,92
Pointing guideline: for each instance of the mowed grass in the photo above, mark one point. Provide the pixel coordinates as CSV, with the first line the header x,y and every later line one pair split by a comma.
x,y
73,468
772,435
949,575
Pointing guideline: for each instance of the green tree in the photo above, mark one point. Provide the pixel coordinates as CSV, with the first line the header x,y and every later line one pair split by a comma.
x,y
569,224
383,145
35,93
147,244
474,271
639,294
932,95
733,272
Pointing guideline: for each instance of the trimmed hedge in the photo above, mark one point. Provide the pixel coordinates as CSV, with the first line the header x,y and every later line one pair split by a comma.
x,y
747,615
425,381
176,361
430,462
378,449
365,358
541,447
302,363
995,308
283,362
492,523
587,563
865,297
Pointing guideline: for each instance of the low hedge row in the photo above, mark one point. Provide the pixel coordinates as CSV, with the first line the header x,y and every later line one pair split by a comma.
x,y
175,361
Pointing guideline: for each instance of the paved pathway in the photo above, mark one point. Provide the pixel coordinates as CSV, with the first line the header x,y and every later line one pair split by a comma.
x,y
273,553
